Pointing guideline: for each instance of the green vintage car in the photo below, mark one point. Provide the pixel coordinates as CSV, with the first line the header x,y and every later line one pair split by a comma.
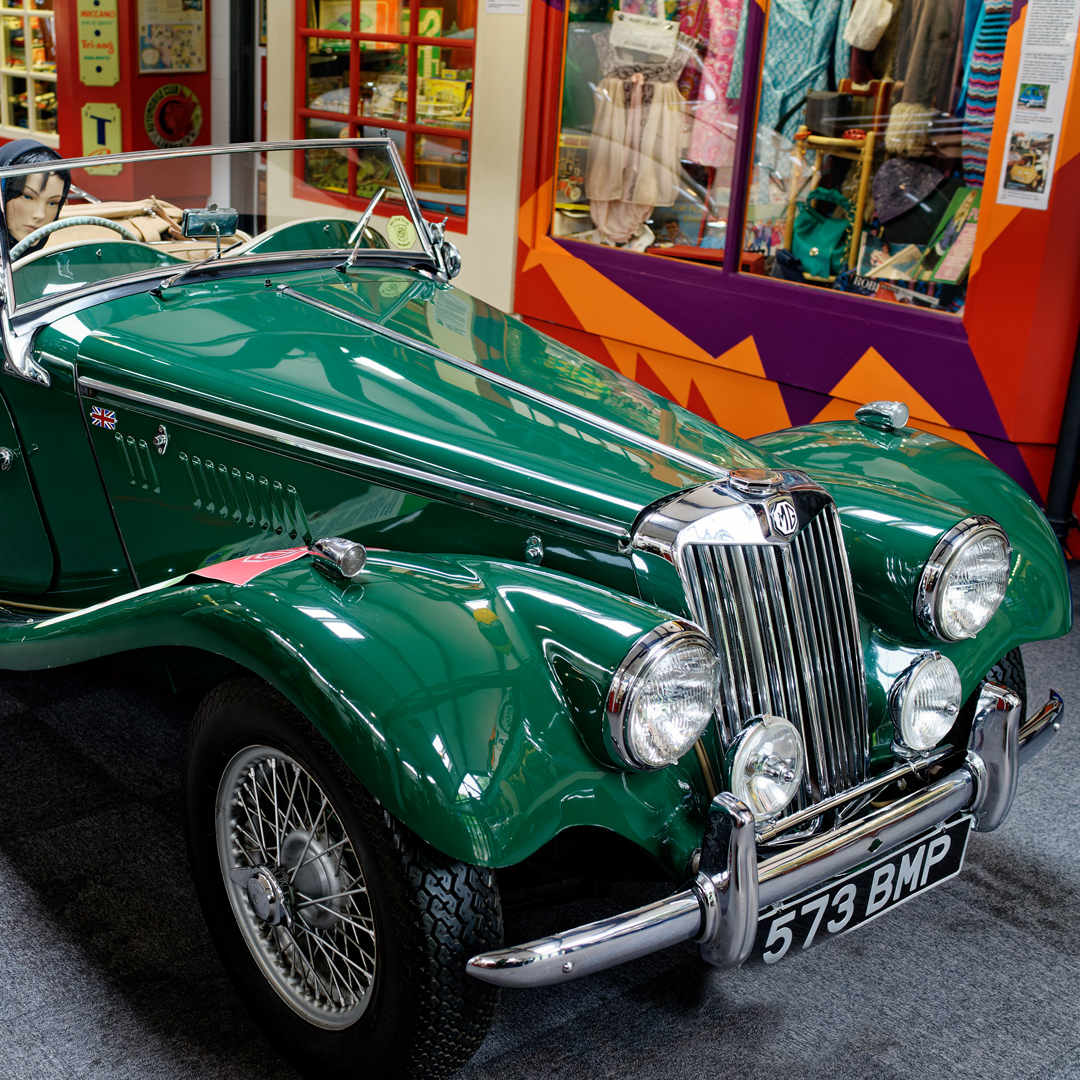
x,y
468,606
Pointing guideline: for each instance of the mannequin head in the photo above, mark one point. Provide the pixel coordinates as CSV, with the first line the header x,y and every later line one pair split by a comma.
x,y
34,200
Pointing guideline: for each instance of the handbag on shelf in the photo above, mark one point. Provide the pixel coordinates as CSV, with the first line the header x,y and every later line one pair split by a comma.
x,y
819,240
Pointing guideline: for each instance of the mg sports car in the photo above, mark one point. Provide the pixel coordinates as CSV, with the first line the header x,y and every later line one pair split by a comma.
x,y
466,605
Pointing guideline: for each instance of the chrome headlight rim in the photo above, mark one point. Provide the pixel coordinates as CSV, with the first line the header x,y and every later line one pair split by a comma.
x,y
629,680
737,750
899,693
943,558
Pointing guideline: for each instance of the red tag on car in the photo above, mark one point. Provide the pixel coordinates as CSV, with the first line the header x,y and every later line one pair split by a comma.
x,y
241,571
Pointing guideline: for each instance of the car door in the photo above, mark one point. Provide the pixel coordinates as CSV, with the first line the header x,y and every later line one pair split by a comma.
x,y
26,556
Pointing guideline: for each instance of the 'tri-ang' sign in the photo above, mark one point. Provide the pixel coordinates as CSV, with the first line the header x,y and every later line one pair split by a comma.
x,y
99,43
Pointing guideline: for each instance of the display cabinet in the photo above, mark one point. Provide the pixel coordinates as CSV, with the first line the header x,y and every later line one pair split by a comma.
x,y
28,70
363,66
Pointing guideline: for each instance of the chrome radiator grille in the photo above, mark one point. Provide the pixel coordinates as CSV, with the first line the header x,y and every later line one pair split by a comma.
x,y
783,620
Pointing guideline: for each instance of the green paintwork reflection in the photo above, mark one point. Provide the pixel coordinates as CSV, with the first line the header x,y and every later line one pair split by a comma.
x,y
452,689
88,261
26,564
81,541
897,495
466,689
256,354
318,234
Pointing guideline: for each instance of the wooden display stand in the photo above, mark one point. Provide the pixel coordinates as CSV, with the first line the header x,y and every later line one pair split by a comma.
x,y
859,149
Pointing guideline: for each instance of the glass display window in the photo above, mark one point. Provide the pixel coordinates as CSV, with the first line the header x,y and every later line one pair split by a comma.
x,y
396,65
649,122
865,168
881,112
28,68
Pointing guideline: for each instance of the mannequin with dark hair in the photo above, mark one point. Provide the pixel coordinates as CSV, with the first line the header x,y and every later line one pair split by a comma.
x,y
33,200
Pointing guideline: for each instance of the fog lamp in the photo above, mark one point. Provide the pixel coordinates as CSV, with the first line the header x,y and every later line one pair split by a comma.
x,y
765,763
925,700
662,696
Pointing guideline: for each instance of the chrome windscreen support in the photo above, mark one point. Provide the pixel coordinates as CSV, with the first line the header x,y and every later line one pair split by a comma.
x,y
19,348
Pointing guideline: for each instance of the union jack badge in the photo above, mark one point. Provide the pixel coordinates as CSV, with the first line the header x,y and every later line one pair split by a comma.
x,y
105,418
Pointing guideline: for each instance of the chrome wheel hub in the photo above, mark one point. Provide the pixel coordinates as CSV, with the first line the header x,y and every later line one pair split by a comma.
x,y
267,891
296,886
313,875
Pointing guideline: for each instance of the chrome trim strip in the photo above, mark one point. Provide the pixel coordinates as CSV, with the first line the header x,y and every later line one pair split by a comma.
x,y
878,783
798,590
636,438
199,151
383,468
791,873
45,310
592,947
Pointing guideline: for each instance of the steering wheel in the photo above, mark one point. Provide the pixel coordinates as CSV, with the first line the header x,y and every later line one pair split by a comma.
x,y
65,223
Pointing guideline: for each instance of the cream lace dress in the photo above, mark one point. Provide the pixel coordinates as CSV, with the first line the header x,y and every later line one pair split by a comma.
x,y
637,133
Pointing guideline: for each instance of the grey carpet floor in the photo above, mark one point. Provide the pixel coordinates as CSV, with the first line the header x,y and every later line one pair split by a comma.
x,y
106,969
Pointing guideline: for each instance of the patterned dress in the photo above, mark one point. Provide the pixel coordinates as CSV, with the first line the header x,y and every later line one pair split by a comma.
x,y
804,51
633,163
716,116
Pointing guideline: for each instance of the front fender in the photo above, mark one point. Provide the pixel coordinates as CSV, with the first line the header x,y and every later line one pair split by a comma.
x,y
898,493
466,694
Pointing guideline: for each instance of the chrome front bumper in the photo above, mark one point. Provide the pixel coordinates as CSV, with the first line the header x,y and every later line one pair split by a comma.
x,y
719,909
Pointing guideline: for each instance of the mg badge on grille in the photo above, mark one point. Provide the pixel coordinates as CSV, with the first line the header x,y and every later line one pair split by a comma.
x,y
784,518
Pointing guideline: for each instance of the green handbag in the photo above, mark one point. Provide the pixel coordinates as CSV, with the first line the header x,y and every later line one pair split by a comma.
x,y
819,240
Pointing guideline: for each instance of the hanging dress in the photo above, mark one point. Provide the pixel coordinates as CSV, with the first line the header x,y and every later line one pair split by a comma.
x,y
633,161
804,51
716,116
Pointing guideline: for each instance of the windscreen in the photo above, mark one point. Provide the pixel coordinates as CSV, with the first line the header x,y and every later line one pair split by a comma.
x,y
68,229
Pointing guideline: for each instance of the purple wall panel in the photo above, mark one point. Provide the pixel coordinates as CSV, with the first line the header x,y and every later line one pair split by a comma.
x,y
807,337
802,405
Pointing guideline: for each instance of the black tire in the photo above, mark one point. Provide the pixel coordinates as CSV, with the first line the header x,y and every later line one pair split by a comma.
x,y
420,1014
1008,672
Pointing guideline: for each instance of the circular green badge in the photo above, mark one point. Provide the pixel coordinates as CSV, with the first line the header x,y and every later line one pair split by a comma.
x,y
401,232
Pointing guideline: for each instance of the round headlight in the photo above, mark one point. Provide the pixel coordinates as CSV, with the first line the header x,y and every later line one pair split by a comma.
x,y
964,580
765,764
925,701
662,696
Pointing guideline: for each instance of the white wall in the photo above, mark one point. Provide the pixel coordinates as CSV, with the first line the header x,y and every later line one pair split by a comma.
x,y
489,247
219,98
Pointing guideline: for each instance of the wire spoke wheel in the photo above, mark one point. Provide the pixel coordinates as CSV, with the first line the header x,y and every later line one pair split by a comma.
x,y
296,886
345,934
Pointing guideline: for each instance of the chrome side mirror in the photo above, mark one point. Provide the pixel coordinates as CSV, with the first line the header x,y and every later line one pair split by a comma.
x,y
215,222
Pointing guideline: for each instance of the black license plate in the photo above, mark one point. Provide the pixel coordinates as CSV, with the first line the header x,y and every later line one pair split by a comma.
x,y
863,895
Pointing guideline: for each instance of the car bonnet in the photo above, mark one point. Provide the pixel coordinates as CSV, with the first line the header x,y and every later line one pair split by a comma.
x,y
414,375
